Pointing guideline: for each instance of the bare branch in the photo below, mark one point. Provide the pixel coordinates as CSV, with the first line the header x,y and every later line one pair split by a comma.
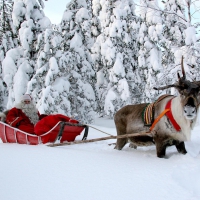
x,y
194,13
162,11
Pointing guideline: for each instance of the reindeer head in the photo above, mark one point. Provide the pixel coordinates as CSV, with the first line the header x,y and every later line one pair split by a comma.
x,y
189,94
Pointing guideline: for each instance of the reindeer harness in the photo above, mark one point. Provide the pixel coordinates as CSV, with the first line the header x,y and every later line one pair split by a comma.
x,y
148,114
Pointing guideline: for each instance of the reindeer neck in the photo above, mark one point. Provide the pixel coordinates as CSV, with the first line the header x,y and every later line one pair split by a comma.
x,y
177,111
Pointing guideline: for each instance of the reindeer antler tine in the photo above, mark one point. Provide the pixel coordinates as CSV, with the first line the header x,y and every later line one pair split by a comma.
x,y
178,75
165,87
197,83
182,68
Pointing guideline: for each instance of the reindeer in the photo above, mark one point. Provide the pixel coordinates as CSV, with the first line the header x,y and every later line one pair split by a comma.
x,y
184,108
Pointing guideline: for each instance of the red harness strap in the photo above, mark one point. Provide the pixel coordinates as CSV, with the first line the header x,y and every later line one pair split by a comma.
x,y
168,113
170,116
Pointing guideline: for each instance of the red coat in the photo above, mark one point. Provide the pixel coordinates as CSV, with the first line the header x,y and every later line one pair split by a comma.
x,y
16,118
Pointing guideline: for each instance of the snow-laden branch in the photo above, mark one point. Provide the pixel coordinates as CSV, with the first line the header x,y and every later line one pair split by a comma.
x,y
171,13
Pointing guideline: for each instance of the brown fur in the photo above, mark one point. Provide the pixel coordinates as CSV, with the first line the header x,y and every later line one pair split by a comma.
x,y
129,120
184,109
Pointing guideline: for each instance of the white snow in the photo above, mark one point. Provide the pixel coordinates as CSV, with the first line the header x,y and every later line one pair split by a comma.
x,y
44,23
190,33
67,16
76,42
98,171
154,55
110,97
53,70
100,78
124,89
22,75
81,15
118,67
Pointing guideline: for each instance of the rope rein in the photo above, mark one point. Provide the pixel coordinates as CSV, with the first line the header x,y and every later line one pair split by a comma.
x,y
98,129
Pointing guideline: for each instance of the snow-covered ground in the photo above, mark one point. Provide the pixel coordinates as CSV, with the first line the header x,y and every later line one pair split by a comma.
x,y
95,171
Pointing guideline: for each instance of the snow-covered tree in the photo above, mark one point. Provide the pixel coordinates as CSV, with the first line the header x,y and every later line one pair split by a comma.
x,y
76,26
7,41
64,78
180,40
18,72
113,54
174,24
29,20
7,32
149,59
50,85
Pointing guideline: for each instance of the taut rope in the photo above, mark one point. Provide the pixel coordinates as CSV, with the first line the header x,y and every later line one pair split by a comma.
x,y
98,129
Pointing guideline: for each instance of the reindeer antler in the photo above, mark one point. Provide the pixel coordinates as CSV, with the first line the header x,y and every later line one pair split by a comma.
x,y
196,82
182,68
165,87
182,83
178,75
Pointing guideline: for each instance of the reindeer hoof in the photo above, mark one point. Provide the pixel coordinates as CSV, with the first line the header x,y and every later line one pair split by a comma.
x,y
181,147
131,145
160,156
116,147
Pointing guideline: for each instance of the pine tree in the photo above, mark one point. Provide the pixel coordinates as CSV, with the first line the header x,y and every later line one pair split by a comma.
x,y
7,41
150,34
174,26
50,85
28,20
180,40
16,74
66,66
115,54
7,32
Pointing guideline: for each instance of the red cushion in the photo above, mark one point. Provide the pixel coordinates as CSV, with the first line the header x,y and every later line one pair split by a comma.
x,y
47,123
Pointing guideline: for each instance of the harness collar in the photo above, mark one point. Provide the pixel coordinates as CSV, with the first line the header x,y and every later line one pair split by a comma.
x,y
168,113
170,116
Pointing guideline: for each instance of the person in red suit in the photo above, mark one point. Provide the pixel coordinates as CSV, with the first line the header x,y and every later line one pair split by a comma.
x,y
24,115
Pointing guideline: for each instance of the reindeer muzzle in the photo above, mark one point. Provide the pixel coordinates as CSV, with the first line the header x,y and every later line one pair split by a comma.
x,y
190,108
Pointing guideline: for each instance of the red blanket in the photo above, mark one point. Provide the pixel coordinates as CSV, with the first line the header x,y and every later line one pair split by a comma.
x,y
47,123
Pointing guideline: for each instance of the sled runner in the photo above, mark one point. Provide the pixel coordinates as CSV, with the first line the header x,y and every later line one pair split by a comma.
x,y
62,131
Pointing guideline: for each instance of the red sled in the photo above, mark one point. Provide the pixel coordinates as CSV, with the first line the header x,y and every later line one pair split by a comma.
x,y
62,131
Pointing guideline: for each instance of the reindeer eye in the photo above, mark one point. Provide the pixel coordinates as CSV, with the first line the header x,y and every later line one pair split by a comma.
x,y
185,111
182,93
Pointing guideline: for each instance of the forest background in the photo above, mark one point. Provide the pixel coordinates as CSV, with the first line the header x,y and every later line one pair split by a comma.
x,y
103,55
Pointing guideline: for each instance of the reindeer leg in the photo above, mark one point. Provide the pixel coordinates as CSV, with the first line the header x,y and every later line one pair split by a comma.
x,y
161,150
120,143
180,147
121,130
161,145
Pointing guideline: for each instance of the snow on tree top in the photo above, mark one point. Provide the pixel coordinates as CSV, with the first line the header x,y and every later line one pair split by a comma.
x,y
81,15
